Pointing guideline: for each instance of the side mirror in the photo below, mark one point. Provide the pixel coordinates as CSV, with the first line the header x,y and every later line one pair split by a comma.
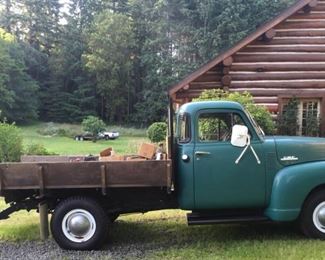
x,y
239,136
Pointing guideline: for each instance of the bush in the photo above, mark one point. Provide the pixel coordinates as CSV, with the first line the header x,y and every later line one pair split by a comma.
x,y
157,132
261,114
49,129
287,123
10,143
37,149
93,125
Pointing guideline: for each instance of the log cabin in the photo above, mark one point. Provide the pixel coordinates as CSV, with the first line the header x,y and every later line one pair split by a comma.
x,y
283,58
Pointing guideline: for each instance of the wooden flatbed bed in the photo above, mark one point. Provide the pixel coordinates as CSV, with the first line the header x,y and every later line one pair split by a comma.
x,y
111,187
76,175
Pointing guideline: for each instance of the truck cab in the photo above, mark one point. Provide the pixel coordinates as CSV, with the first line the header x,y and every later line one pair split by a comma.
x,y
266,178
207,175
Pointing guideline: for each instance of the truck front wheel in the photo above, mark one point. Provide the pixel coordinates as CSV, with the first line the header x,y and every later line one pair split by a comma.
x,y
79,224
312,218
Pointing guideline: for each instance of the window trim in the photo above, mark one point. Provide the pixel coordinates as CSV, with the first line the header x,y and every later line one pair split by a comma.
x,y
188,140
241,114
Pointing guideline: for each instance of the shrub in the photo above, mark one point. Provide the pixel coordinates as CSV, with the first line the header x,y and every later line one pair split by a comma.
x,y
261,114
157,132
93,125
10,143
49,129
37,149
287,123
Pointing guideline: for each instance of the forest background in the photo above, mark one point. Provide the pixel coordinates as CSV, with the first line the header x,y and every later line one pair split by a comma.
x,y
62,60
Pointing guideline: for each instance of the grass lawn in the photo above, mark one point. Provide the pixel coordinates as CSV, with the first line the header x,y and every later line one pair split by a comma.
x,y
165,233
125,144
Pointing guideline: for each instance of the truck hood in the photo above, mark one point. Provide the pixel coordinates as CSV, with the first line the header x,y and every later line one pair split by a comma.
x,y
293,150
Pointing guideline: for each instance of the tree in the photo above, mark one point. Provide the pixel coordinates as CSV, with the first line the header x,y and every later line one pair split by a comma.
x,y
93,125
117,58
110,59
19,100
259,113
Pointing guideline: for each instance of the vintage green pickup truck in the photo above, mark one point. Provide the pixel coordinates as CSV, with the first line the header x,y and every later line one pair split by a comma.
x,y
220,166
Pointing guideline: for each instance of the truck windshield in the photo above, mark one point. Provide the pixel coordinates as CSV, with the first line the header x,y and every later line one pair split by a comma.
x,y
257,128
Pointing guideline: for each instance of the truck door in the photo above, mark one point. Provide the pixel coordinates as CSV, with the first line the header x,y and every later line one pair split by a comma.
x,y
218,181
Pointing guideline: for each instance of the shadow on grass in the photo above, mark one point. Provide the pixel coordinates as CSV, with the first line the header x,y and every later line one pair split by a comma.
x,y
174,233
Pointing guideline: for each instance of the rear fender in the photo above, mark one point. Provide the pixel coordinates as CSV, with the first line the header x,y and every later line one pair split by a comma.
x,y
291,187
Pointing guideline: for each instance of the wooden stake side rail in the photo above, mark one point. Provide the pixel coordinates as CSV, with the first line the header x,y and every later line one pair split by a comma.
x,y
117,174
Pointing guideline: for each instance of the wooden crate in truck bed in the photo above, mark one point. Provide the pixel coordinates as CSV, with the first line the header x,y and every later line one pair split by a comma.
x,y
18,176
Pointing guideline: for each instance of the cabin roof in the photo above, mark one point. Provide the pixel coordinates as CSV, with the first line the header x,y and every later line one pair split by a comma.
x,y
244,42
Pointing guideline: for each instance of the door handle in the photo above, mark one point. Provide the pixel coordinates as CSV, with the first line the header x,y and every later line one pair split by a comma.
x,y
202,153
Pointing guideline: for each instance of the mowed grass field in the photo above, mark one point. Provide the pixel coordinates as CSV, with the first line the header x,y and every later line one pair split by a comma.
x,y
165,234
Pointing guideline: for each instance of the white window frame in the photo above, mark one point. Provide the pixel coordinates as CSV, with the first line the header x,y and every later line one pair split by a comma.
x,y
300,111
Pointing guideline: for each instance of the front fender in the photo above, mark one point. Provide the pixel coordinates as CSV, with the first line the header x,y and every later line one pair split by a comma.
x,y
290,188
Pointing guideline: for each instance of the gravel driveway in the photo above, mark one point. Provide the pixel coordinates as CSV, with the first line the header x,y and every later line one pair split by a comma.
x,y
36,250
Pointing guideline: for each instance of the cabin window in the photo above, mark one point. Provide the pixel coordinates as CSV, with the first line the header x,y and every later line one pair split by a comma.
x,y
308,116
217,127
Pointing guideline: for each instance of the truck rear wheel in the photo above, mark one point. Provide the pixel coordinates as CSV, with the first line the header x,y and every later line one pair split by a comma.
x,y
79,224
312,219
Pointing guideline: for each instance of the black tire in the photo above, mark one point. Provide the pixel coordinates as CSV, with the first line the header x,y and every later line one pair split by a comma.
x,y
312,218
71,211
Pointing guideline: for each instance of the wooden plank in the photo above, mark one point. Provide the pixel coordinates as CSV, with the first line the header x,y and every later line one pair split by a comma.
x,y
319,7
271,107
285,48
293,40
300,32
297,24
279,66
265,92
265,100
277,57
205,85
84,174
41,180
280,91
311,15
296,84
209,78
103,178
288,75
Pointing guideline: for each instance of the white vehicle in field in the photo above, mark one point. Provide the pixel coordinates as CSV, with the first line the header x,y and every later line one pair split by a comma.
x,y
109,135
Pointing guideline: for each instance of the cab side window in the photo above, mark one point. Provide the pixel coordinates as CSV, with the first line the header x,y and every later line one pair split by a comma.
x,y
217,127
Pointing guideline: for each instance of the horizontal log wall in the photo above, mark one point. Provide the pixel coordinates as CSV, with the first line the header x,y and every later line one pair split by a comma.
x,y
289,60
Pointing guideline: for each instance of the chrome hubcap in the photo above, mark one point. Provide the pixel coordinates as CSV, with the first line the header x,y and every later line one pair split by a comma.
x,y
319,217
78,225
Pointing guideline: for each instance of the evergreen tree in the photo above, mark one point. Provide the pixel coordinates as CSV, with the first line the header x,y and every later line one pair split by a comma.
x,y
18,90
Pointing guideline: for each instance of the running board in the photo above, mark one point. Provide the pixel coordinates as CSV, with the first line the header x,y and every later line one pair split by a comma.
x,y
197,219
